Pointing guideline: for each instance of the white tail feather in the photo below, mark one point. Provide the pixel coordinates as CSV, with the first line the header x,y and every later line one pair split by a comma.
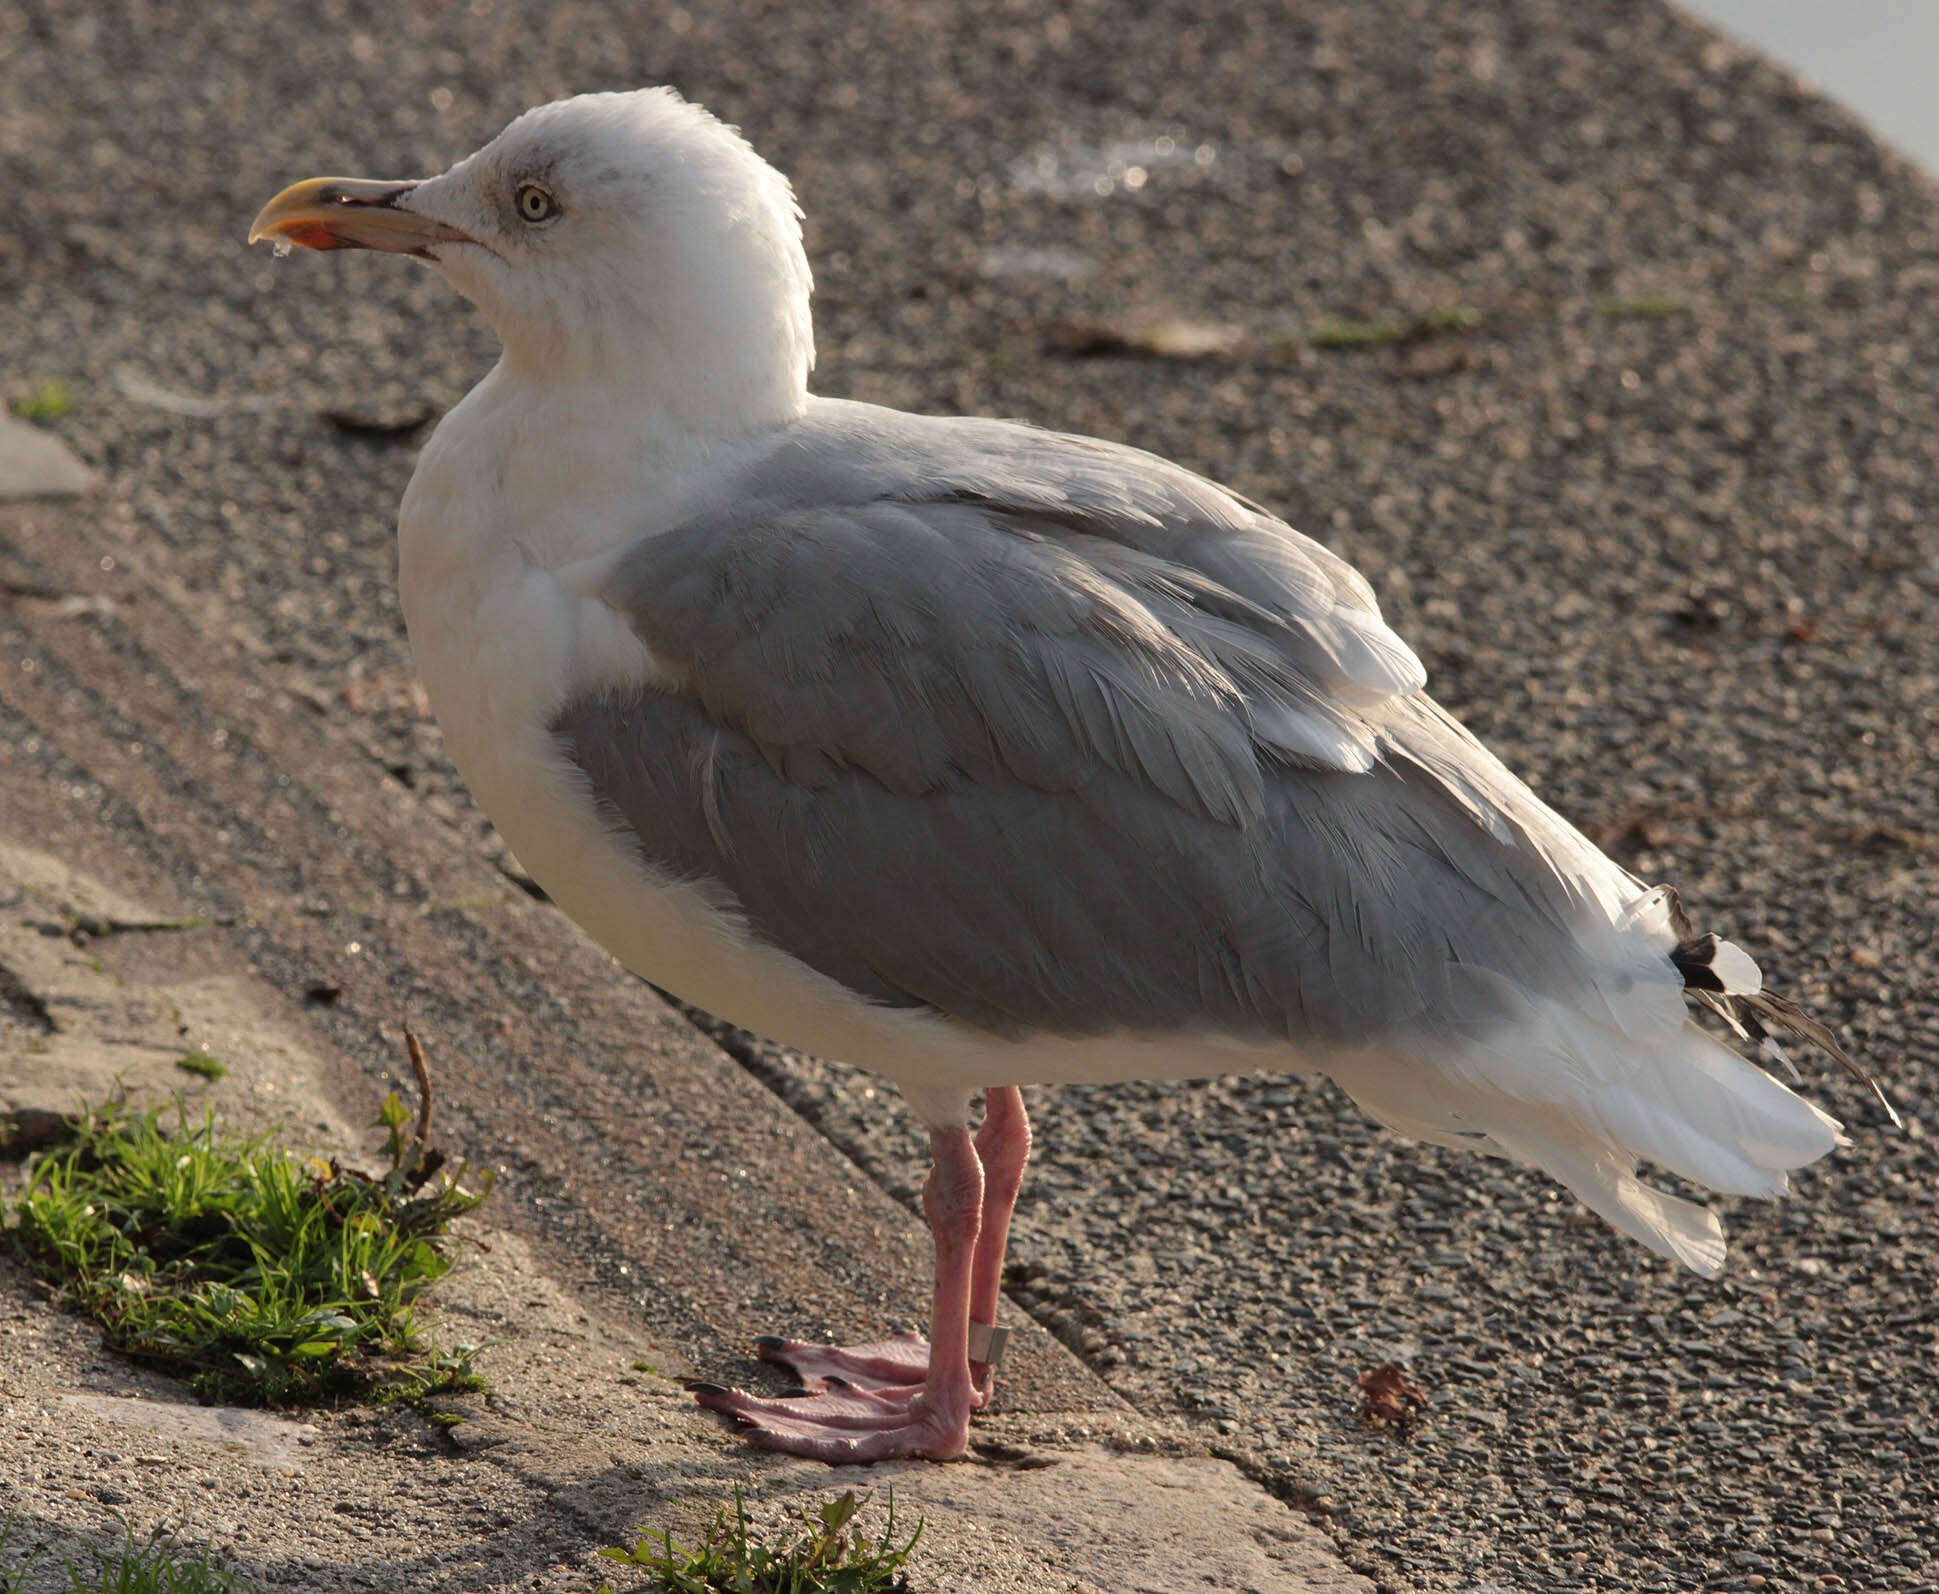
x,y
1586,1097
1605,1180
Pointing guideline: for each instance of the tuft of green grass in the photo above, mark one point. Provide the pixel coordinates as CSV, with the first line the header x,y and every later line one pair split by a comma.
x,y
829,1556
261,1278
158,1566
47,402
202,1065
1642,307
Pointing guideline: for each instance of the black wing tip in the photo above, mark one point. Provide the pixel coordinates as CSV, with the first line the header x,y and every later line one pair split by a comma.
x,y
1694,958
1755,1014
1766,1010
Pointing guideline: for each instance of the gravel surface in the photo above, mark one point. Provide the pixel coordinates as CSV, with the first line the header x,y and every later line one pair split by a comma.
x,y
1659,526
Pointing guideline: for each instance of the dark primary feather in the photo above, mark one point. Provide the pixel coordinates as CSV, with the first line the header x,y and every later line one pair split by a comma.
x,y
1049,735
1757,1015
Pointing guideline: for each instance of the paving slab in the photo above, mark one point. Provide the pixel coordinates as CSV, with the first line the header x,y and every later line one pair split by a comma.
x,y
574,1450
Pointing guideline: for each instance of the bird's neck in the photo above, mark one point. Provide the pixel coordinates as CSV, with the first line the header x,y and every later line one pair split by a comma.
x,y
739,366
536,471
669,405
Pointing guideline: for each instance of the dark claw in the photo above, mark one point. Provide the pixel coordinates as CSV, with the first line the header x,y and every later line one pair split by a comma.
x,y
708,1389
770,1342
796,1393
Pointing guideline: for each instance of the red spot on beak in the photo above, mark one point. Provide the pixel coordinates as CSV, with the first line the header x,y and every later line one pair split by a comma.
x,y
313,235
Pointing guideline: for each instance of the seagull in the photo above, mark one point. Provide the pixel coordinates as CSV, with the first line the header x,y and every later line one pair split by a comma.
x,y
985,756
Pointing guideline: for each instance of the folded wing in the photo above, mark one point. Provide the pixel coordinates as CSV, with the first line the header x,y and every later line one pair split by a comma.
x,y
1046,734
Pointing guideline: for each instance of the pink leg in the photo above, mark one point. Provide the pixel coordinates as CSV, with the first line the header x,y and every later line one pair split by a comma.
x,y
926,1419
902,1363
1003,1147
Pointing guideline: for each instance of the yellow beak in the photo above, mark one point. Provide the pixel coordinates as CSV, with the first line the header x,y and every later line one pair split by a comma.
x,y
350,213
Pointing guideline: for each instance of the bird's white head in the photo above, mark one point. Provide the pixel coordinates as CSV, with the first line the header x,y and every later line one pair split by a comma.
x,y
629,240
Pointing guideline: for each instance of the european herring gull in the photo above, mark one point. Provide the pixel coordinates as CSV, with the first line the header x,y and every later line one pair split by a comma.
x,y
984,756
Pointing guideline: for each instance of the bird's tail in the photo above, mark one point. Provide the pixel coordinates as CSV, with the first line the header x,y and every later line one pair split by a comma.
x,y
1586,1088
1719,976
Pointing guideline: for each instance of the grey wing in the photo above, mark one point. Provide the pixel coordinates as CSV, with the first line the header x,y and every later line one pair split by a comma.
x,y
1086,488
1047,739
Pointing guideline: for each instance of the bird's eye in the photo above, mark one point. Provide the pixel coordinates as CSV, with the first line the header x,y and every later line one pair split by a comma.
x,y
534,203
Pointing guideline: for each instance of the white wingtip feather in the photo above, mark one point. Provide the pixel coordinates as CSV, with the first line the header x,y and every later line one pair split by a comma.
x,y
1734,966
